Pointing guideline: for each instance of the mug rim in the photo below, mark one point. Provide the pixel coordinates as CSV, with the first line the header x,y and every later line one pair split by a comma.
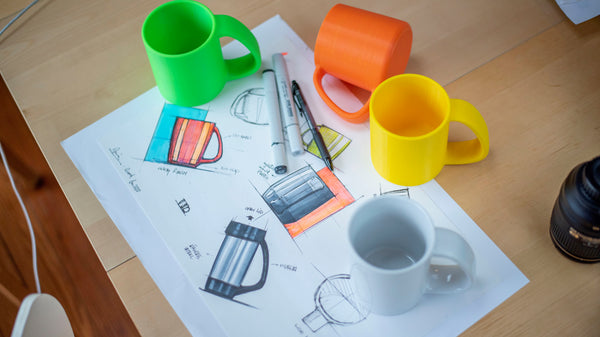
x,y
424,259
441,125
174,3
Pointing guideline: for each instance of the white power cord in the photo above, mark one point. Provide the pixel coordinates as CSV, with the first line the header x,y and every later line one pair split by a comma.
x,y
18,16
32,235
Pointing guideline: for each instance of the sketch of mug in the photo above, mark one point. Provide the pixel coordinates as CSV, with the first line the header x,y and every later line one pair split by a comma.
x,y
234,259
247,106
335,304
189,141
297,195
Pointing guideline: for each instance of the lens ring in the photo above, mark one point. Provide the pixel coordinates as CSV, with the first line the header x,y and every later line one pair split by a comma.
x,y
591,180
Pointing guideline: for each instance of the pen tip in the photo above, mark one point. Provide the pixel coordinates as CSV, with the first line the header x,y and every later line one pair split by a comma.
x,y
329,163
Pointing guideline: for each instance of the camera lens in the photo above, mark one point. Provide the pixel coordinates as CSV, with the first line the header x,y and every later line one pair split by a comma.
x,y
575,221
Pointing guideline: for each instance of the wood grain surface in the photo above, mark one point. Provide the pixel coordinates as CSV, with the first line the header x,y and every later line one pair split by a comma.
x,y
69,268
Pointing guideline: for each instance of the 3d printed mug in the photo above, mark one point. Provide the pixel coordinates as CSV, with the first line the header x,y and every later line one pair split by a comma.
x,y
361,48
393,245
410,118
190,140
182,40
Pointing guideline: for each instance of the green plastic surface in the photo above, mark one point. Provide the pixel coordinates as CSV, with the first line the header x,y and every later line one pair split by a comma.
x,y
182,40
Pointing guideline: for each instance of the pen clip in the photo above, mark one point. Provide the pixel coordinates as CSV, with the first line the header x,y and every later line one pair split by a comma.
x,y
297,98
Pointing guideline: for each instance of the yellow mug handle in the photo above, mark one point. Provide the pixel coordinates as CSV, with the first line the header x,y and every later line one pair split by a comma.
x,y
468,151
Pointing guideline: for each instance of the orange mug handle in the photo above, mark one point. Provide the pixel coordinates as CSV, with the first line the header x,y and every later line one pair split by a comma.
x,y
353,117
203,160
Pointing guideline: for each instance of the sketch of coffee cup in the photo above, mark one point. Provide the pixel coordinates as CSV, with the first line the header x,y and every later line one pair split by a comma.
x,y
335,304
247,106
190,140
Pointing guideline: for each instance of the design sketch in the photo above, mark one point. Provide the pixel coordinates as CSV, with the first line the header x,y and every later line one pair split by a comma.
x,y
190,140
335,142
335,304
306,197
247,106
182,137
405,192
234,258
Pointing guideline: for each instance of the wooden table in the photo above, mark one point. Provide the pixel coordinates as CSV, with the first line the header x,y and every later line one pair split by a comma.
x,y
533,75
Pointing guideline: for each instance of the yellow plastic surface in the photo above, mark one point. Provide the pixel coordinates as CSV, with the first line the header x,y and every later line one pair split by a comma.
x,y
410,117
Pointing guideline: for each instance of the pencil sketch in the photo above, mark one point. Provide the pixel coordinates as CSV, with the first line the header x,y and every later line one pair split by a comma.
x,y
335,142
336,304
182,137
305,197
248,107
234,259
405,192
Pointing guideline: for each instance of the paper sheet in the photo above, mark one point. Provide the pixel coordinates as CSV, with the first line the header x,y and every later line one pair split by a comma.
x,y
579,11
193,192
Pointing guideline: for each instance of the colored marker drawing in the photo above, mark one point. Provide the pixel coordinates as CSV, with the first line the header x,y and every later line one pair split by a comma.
x,y
182,137
335,142
235,255
305,197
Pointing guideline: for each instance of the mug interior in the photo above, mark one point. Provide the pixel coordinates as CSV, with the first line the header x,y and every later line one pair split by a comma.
x,y
178,27
391,233
410,105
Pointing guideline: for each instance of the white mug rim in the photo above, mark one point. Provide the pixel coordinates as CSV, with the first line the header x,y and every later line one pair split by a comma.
x,y
429,239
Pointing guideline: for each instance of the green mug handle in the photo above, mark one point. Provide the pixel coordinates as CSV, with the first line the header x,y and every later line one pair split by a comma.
x,y
244,65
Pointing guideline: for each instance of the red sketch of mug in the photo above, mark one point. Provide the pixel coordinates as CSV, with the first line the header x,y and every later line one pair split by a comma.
x,y
189,142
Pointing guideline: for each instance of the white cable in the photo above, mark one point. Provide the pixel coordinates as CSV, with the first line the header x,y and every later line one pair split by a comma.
x,y
33,247
18,16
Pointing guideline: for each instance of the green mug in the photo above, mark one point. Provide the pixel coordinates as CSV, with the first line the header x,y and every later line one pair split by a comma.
x,y
182,40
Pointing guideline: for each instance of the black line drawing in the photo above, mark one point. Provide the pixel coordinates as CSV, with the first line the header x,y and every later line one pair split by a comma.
x,y
247,107
336,304
234,258
405,192
184,206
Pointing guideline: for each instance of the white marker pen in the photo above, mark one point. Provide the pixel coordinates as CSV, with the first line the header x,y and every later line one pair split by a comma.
x,y
288,108
272,104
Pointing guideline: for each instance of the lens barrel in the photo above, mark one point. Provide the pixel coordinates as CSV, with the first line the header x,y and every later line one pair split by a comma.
x,y
575,221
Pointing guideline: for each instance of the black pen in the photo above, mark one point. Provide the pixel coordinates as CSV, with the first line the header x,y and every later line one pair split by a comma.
x,y
304,110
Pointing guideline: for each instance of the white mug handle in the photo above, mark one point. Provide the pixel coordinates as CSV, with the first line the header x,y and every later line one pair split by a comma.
x,y
457,275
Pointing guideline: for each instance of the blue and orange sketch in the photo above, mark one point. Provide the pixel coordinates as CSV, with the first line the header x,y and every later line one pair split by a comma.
x,y
182,137
305,197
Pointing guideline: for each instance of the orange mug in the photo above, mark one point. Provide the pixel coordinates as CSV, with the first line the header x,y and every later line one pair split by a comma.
x,y
361,48
190,140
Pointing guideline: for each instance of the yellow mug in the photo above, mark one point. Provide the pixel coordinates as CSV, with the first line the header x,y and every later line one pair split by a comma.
x,y
410,117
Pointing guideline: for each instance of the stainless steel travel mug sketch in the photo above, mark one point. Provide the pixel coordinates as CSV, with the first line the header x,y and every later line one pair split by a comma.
x,y
234,258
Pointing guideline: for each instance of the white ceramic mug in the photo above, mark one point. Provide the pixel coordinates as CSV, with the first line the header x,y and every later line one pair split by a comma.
x,y
393,242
